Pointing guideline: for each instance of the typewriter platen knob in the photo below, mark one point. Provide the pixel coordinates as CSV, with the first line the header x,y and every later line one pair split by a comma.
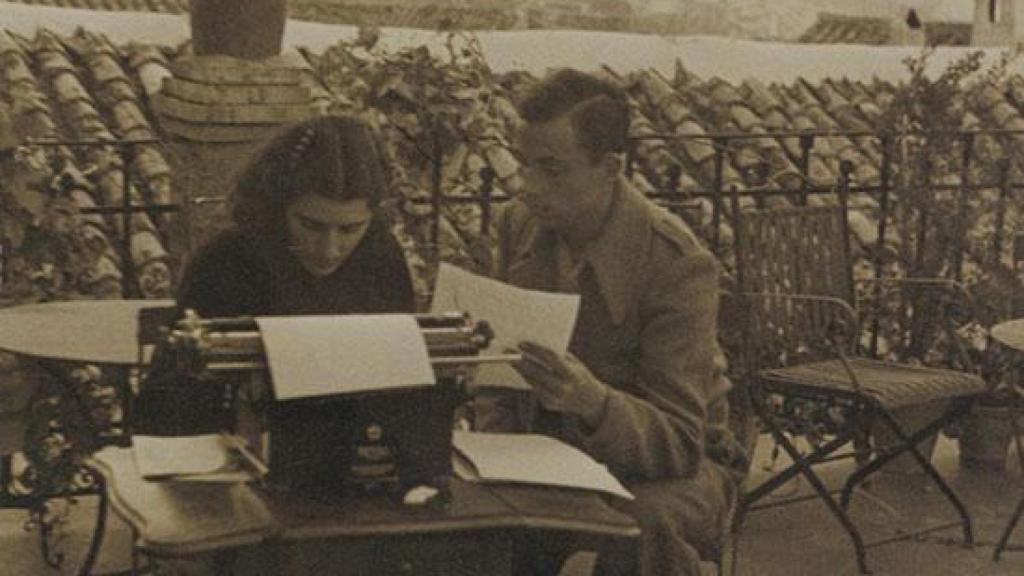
x,y
482,334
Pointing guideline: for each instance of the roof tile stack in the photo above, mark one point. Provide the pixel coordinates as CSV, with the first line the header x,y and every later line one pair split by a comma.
x,y
168,6
81,92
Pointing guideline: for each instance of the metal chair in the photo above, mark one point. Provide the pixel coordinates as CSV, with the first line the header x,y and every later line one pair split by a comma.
x,y
1017,408
1017,405
800,331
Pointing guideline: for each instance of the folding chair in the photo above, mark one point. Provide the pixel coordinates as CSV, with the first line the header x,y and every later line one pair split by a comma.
x,y
1017,408
794,277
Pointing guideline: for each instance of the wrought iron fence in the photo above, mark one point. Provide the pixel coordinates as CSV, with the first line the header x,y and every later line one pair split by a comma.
x,y
126,150
737,183
753,182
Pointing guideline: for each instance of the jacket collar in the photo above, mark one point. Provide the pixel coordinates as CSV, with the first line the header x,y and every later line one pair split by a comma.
x,y
616,255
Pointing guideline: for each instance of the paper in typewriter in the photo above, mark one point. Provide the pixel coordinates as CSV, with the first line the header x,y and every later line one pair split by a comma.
x,y
515,314
534,459
323,355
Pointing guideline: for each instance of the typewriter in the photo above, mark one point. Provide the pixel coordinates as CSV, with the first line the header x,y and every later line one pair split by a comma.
x,y
335,444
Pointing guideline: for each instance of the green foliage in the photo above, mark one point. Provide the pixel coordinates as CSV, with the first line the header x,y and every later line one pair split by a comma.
x,y
444,122
935,230
47,257
46,252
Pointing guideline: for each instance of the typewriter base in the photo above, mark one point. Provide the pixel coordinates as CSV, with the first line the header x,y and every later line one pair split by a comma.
x,y
390,441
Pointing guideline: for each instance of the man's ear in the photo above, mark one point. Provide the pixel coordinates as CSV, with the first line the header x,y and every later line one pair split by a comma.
x,y
612,164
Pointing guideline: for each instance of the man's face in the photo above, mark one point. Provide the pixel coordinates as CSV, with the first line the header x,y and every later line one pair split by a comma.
x,y
563,186
323,232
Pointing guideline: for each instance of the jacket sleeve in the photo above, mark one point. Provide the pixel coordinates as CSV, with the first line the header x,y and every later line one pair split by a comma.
x,y
655,427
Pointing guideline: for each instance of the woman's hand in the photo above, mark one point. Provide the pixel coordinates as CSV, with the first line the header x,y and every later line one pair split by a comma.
x,y
562,383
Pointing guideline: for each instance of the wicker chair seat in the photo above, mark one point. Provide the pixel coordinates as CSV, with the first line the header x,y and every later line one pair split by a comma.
x,y
891,385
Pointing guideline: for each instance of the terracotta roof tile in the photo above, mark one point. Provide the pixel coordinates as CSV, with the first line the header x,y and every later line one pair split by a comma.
x,y
722,92
36,119
948,33
117,80
839,28
84,114
745,118
1015,90
150,66
169,6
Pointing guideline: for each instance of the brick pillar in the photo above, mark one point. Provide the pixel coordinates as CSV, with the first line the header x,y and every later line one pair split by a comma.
x,y
222,101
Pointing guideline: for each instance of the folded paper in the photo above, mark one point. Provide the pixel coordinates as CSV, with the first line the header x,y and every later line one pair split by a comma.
x,y
515,314
533,459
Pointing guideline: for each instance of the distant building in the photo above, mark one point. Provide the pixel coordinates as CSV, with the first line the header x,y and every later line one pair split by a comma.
x,y
908,30
998,22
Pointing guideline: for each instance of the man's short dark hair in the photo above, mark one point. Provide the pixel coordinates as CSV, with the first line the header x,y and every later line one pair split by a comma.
x,y
338,157
599,109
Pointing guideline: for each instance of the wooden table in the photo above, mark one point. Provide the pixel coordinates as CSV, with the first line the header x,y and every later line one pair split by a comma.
x,y
480,529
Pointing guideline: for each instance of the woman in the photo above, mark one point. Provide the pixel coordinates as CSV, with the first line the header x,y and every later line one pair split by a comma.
x,y
308,238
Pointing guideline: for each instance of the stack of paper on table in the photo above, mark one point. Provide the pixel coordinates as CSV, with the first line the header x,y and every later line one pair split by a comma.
x,y
531,458
202,458
515,314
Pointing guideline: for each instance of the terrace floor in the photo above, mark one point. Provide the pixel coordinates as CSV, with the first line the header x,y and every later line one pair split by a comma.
x,y
796,539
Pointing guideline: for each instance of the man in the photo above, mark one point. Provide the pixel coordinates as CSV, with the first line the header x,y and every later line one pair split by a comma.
x,y
638,390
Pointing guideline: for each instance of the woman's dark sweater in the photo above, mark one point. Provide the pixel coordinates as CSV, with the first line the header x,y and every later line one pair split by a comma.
x,y
242,274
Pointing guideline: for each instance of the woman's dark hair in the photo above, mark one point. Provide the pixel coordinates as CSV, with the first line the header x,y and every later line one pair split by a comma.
x,y
598,109
337,157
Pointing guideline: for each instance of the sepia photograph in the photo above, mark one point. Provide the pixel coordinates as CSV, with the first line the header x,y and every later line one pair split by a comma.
x,y
511,288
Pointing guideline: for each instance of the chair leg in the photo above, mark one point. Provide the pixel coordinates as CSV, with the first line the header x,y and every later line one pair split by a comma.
x,y
803,466
1005,538
874,464
909,444
773,483
136,563
1015,518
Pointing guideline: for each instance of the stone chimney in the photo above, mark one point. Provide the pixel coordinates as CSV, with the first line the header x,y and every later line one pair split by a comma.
x,y
224,97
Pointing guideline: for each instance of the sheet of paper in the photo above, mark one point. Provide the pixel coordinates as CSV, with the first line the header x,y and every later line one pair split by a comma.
x,y
532,458
168,456
514,313
321,355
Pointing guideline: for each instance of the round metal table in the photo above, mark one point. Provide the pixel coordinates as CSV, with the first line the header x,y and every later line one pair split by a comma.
x,y
1011,335
101,332
90,331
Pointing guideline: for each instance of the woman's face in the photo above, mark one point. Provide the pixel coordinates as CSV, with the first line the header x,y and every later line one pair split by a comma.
x,y
323,232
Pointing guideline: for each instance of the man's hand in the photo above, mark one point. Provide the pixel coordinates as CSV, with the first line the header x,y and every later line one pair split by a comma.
x,y
562,383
